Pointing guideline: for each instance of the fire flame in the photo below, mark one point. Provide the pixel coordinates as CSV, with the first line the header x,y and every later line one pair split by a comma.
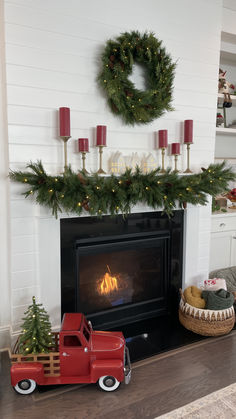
x,y
108,284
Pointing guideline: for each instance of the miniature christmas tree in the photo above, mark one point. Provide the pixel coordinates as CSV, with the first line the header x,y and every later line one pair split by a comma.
x,y
36,336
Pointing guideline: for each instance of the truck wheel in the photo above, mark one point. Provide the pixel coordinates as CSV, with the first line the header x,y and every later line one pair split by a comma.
x,y
108,383
25,386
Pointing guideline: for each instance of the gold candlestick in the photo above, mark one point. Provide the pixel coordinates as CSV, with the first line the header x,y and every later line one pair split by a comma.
x,y
100,170
176,163
83,161
65,139
188,159
163,160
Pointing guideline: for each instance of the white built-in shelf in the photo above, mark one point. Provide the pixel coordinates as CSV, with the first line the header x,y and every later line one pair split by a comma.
x,y
233,98
227,131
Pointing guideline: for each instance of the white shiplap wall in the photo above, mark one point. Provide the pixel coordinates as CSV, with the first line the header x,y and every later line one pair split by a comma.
x,y
52,60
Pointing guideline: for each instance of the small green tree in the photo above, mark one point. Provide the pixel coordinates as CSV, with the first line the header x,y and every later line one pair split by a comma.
x,y
36,336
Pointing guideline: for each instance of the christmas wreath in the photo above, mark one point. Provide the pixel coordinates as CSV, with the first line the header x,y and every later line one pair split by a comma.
x,y
133,105
77,192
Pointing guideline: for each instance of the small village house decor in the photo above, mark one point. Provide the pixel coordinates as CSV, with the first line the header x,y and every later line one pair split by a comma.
x,y
136,106
148,163
117,163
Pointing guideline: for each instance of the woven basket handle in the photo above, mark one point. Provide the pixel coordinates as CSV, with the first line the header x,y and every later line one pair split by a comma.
x,y
182,295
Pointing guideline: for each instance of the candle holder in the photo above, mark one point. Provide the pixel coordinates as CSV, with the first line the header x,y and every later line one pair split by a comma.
x,y
65,140
176,163
100,170
163,150
188,159
83,153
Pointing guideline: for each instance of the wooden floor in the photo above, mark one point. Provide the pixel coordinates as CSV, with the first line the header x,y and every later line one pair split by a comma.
x,y
159,385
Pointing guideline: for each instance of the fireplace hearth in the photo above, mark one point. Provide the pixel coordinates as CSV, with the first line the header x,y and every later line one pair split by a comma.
x,y
122,271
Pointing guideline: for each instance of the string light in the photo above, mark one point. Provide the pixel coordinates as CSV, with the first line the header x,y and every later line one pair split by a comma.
x,y
97,187
31,192
147,188
113,190
120,182
62,196
25,180
158,182
50,190
56,180
79,204
165,196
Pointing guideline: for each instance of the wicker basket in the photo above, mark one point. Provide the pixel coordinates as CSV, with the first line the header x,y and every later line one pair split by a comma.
x,y
206,322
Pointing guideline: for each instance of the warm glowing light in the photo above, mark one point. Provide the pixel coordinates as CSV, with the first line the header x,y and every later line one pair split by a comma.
x,y
109,283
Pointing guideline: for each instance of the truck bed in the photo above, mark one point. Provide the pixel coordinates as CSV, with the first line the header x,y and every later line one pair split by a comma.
x,y
50,360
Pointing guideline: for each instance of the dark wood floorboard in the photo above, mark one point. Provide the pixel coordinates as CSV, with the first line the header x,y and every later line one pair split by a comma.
x,y
159,384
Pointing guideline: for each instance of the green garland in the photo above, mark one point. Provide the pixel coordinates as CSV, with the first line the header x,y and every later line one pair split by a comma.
x,y
133,105
75,192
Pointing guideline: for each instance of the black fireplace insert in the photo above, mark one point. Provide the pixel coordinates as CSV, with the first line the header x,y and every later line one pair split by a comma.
x,y
120,270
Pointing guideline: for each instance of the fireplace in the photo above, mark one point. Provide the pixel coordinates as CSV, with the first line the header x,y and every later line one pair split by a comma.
x,y
120,270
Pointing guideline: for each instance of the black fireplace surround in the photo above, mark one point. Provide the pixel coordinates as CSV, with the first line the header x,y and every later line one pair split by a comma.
x,y
120,270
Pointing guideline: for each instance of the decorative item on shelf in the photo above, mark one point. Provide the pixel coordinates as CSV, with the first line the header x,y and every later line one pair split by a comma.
x,y
133,161
101,142
148,163
163,144
224,87
73,192
133,105
175,151
64,118
83,149
117,163
219,203
219,119
231,195
188,139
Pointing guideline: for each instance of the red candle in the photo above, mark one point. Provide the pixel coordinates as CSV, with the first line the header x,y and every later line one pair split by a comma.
x,y
101,135
83,145
163,138
188,131
64,122
175,148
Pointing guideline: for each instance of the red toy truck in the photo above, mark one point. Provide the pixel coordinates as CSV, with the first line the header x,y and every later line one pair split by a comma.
x,y
80,355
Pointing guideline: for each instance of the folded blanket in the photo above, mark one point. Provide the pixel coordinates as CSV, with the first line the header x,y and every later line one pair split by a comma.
x,y
193,296
218,300
215,284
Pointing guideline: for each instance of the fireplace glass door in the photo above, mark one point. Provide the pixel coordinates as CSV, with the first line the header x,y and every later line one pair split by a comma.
x,y
126,278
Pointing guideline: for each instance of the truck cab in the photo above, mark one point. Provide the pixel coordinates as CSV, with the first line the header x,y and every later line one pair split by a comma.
x,y
81,355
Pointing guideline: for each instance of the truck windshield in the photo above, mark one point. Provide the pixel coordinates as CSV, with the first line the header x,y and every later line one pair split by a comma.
x,y
86,334
87,324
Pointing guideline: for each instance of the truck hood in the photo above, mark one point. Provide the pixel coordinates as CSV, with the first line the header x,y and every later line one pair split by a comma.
x,y
107,341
